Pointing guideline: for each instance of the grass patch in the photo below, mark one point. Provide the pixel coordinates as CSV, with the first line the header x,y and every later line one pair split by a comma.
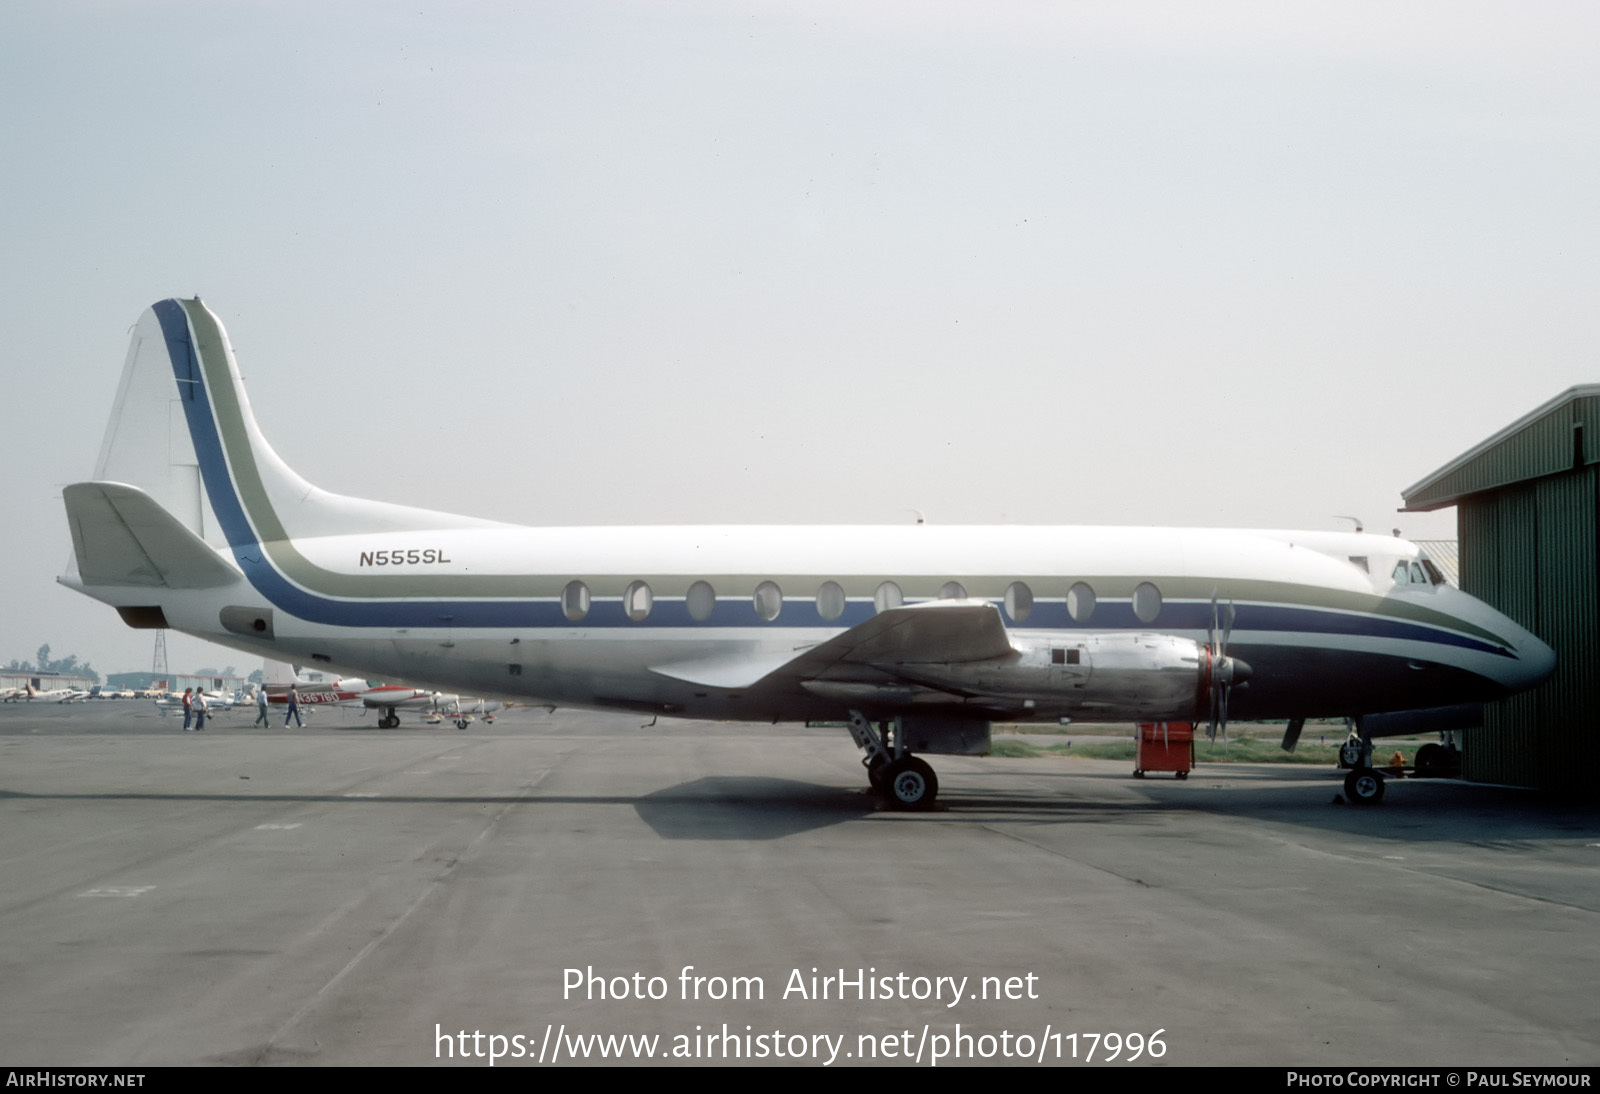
x,y
1239,750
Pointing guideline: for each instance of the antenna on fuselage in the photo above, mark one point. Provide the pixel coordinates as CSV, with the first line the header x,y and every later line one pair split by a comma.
x,y
1360,525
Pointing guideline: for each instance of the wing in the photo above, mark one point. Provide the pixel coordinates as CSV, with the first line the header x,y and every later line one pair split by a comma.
x,y
885,650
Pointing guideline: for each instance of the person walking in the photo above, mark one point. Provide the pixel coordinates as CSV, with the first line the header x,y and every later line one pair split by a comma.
x,y
294,708
261,707
188,707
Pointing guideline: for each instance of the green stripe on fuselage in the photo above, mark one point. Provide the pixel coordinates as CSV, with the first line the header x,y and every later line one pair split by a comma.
x,y
229,416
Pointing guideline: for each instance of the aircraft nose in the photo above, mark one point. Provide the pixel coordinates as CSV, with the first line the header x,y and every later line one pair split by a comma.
x,y
1535,662
1527,662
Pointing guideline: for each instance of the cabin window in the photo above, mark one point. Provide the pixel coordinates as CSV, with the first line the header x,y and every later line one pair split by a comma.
x,y
1080,602
1402,576
1417,576
701,601
888,596
952,590
575,600
768,600
1360,562
830,601
1019,601
1146,602
1434,572
636,601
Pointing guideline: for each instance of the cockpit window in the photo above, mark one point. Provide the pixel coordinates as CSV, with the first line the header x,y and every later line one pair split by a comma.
x,y
1418,571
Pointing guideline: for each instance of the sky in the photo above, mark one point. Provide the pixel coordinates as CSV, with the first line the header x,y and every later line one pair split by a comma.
x,y
1230,264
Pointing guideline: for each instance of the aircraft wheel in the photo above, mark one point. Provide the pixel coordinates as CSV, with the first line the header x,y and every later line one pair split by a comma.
x,y
1430,761
1350,754
1138,773
875,766
1181,774
461,723
910,784
1364,786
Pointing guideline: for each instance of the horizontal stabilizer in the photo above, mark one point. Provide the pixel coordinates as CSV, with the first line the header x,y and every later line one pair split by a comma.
x,y
121,536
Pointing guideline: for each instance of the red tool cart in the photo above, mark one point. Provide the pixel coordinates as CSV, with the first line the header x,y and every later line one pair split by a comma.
x,y
1164,746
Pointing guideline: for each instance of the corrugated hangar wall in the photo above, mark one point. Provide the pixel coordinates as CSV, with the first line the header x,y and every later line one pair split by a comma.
x,y
1528,516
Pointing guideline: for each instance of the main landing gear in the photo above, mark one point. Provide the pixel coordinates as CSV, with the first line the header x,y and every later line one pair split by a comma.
x,y
389,720
905,781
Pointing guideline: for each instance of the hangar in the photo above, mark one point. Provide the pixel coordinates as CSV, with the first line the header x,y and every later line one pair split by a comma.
x,y
1528,500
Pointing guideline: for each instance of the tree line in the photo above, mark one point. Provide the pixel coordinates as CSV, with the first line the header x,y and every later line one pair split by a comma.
x,y
65,666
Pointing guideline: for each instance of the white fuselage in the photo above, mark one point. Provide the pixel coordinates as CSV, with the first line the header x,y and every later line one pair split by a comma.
x,y
222,540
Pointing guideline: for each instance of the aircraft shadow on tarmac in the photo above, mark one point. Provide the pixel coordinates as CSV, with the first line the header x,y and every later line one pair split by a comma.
x,y
749,808
764,808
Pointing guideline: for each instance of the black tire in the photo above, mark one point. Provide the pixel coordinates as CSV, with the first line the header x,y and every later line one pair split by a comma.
x,y
1364,786
909,784
1430,762
1182,774
875,766
1351,754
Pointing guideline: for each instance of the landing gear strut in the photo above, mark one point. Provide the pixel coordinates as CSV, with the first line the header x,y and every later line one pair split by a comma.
x,y
905,781
1363,786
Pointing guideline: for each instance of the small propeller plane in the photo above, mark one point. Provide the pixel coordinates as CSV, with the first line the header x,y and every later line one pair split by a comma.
x,y
325,689
917,637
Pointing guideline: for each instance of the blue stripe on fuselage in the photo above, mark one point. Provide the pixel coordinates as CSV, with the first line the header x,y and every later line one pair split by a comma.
x,y
1110,615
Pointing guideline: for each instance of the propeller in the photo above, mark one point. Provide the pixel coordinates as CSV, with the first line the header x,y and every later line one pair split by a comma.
x,y
1225,671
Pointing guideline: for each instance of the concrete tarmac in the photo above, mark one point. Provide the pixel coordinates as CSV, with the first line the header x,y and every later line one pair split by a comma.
x,y
347,895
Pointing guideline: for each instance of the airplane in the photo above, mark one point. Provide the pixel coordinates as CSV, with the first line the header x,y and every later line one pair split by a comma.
x,y
29,693
216,702
918,637
315,689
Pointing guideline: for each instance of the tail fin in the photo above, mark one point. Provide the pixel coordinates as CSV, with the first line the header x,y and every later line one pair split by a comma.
x,y
277,674
183,432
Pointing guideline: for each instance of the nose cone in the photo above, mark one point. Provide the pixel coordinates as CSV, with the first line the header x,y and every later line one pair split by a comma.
x,y
1525,662
1535,661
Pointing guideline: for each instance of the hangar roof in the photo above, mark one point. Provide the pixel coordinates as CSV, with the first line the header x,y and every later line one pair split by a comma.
x,y
1558,436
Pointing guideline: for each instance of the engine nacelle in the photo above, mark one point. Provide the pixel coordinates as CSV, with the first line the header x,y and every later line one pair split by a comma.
x,y
1115,676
